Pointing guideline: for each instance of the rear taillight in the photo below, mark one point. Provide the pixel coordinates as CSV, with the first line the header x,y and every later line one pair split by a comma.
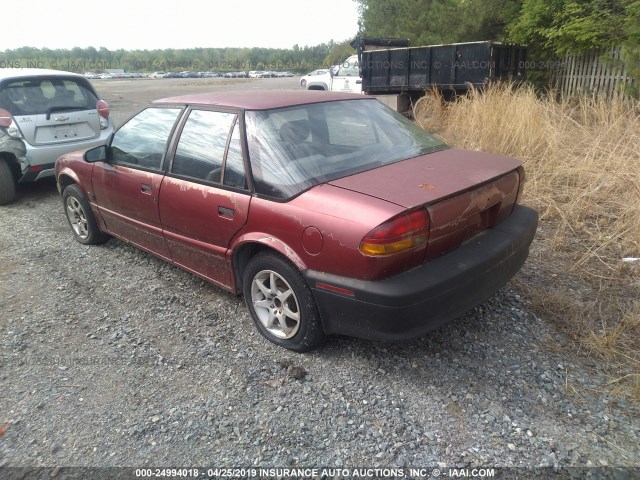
x,y
5,118
103,111
403,232
7,121
103,108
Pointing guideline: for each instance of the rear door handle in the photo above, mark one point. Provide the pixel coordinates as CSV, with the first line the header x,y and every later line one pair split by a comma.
x,y
226,212
144,188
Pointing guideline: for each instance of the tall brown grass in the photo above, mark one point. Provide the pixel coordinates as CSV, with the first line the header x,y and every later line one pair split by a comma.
x,y
582,160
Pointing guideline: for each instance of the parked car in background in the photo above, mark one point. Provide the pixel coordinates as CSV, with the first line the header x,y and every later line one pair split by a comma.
x,y
44,114
158,75
330,213
189,74
316,80
235,75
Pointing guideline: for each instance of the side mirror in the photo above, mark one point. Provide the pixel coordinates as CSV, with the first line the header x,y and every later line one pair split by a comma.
x,y
97,154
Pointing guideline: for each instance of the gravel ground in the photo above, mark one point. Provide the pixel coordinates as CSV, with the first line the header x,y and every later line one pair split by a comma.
x,y
111,357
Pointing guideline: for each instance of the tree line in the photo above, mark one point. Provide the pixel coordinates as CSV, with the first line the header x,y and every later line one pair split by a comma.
x,y
550,28
297,59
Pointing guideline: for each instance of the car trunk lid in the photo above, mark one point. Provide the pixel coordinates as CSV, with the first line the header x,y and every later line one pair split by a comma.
x,y
61,126
464,192
428,178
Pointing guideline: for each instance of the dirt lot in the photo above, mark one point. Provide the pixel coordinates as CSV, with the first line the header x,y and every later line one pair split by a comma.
x,y
111,357
127,96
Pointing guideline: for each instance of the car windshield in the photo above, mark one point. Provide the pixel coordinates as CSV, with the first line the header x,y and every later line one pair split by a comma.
x,y
293,149
32,96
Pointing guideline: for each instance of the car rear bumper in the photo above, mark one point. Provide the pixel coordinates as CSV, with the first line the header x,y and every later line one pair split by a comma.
x,y
40,159
38,172
415,302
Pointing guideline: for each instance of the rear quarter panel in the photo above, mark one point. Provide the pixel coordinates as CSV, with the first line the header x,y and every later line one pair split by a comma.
x,y
340,218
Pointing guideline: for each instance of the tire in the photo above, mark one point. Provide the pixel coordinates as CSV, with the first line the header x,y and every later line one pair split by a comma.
x,y
428,111
80,217
281,304
7,183
303,83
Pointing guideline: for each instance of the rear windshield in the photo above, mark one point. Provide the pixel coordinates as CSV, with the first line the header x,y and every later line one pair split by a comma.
x,y
32,96
293,149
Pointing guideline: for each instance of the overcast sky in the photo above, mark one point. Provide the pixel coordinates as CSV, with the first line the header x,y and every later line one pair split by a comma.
x,y
144,24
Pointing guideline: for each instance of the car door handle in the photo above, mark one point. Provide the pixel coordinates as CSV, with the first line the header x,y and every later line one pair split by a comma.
x,y
144,188
226,212
358,82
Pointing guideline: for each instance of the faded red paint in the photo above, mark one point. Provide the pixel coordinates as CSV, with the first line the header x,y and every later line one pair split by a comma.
x,y
198,226
446,173
260,100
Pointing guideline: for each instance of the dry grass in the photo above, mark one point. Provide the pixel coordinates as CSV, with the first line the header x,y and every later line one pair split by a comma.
x,y
582,158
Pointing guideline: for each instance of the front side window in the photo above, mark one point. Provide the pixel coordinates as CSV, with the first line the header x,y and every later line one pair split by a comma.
x,y
293,149
142,141
200,151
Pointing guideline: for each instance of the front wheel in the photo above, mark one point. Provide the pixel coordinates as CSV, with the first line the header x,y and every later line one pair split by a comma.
x,y
281,304
80,216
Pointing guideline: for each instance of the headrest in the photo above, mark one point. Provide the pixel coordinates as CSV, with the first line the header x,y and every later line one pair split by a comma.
x,y
295,131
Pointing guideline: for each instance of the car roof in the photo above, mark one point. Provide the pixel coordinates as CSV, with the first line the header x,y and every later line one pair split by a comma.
x,y
261,99
34,72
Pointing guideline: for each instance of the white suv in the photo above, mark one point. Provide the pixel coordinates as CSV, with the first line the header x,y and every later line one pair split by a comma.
x,y
316,80
45,114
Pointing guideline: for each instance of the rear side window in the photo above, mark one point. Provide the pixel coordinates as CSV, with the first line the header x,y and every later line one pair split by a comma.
x,y
200,151
34,96
234,174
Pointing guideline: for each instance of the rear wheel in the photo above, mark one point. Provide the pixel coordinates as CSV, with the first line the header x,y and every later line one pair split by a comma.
x,y
80,216
7,183
281,304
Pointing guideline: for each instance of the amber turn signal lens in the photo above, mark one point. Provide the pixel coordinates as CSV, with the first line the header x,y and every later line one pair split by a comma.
x,y
403,232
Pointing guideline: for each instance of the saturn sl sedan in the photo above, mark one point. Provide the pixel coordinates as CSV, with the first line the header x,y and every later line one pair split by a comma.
x,y
329,212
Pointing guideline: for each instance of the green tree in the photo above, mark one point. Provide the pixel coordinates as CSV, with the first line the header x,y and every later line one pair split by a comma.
x,y
561,26
338,52
427,22
631,53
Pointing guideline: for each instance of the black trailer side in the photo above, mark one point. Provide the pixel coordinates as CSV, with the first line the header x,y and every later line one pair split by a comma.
x,y
449,68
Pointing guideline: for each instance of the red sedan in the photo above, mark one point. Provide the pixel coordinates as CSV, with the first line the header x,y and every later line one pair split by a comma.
x,y
330,213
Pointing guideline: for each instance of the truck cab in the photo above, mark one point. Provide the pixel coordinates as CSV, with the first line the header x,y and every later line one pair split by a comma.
x,y
347,77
